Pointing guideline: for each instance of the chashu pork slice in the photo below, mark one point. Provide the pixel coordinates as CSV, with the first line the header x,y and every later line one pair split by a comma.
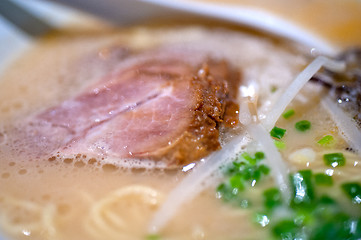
x,y
162,107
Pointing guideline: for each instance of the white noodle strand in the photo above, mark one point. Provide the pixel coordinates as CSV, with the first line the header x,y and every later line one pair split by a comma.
x,y
104,222
292,90
42,221
345,124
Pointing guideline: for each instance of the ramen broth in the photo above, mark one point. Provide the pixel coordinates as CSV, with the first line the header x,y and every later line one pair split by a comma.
x,y
86,197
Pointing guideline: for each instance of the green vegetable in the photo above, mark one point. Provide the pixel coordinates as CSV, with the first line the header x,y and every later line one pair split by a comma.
x,y
318,218
288,113
326,140
249,159
264,169
259,155
272,198
353,190
303,191
251,173
334,159
273,88
338,226
225,192
236,181
323,179
277,132
325,220
279,144
245,171
287,230
303,125
308,216
152,237
326,200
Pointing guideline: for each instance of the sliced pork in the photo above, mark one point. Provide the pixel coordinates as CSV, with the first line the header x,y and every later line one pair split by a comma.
x,y
163,105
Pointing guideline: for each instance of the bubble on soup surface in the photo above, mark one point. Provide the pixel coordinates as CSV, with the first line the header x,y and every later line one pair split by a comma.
x,y
3,138
5,175
22,171
18,105
68,160
109,167
5,109
79,164
63,208
92,161
46,197
138,170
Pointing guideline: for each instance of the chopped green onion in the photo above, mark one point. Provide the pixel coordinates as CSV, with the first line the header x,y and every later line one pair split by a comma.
x,y
251,173
236,181
353,190
303,125
273,88
288,113
323,179
272,198
277,132
225,192
259,155
326,200
245,171
326,140
338,226
302,187
334,159
152,237
279,144
264,169
248,158
310,216
286,229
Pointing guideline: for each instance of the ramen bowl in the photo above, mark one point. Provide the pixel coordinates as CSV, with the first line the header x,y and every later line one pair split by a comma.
x,y
189,128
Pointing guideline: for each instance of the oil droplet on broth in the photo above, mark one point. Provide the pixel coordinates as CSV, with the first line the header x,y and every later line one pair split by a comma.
x,y
3,138
109,168
22,171
5,175
79,164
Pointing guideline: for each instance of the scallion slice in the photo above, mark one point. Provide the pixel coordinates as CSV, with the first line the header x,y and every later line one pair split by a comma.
x,y
279,144
303,125
334,159
277,132
353,190
302,187
259,155
323,179
326,140
236,181
153,237
272,198
289,113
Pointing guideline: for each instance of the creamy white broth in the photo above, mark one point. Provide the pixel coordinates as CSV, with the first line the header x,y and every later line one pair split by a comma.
x,y
55,199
